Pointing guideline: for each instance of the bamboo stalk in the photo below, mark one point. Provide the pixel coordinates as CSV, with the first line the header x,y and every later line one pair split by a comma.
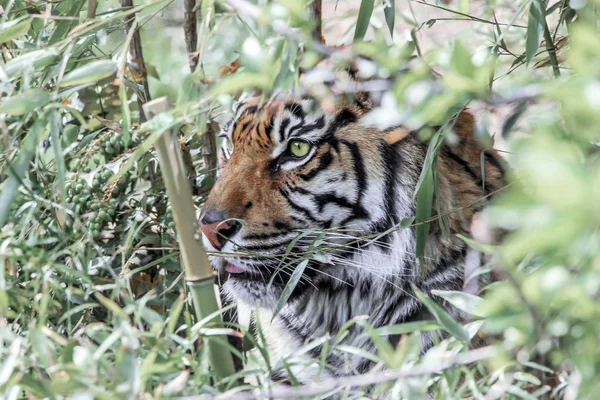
x,y
198,272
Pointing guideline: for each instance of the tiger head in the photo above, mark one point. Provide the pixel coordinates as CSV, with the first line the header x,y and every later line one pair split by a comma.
x,y
292,174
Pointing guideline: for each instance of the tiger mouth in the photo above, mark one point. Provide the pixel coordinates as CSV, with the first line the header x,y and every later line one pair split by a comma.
x,y
236,272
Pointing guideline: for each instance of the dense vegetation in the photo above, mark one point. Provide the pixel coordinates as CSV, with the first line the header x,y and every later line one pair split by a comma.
x,y
92,296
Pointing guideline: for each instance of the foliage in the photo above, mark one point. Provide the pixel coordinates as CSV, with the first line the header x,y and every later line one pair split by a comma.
x,y
92,302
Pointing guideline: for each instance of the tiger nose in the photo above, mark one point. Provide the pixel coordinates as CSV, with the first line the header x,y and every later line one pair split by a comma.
x,y
215,229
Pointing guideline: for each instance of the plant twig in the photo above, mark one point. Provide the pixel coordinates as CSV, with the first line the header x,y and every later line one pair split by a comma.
x,y
137,60
190,30
367,379
551,48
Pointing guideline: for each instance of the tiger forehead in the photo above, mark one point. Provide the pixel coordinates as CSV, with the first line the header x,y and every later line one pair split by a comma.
x,y
254,121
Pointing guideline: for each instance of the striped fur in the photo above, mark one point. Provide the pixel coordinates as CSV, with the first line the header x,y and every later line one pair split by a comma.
x,y
351,184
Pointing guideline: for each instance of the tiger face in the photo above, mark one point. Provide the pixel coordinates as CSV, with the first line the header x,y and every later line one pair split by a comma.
x,y
287,167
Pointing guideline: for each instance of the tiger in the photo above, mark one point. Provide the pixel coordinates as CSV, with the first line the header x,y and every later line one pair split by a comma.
x,y
295,176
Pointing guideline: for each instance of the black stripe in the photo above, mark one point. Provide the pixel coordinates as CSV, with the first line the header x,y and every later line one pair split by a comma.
x,y
297,208
324,161
361,177
343,118
282,127
250,110
319,124
295,109
466,167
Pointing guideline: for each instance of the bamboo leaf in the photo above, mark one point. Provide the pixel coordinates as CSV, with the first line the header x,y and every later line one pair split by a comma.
x,y
535,28
111,306
390,15
424,208
91,72
364,17
13,29
482,247
35,59
464,301
449,324
290,286
25,102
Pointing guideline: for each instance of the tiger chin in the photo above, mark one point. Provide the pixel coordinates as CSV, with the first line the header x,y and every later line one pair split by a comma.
x,y
297,175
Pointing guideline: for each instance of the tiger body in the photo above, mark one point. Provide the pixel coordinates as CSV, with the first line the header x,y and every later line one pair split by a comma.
x,y
354,181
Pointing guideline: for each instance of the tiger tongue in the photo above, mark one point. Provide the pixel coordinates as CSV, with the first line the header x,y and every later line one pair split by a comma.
x,y
232,269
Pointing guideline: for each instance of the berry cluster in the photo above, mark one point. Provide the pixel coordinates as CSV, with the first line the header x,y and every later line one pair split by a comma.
x,y
97,200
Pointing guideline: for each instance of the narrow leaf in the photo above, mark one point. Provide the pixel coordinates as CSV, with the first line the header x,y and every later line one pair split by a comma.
x,y
461,300
25,102
364,16
37,59
291,285
424,208
449,324
535,29
390,15
13,29
92,72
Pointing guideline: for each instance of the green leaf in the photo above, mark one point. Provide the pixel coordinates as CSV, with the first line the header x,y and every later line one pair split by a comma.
x,y
424,208
91,72
37,59
390,15
364,16
13,29
535,28
25,102
460,60
290,286
482,247
461,300
449,324
112,306
70,134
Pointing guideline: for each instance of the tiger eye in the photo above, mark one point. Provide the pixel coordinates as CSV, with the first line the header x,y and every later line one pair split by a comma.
x,y
299,148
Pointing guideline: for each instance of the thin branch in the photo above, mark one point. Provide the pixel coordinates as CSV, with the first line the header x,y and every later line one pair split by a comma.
x,y
190,30
137,60
551,49
371,378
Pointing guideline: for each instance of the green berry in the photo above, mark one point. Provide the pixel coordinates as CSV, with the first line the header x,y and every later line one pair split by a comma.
x,y
102,215
78,188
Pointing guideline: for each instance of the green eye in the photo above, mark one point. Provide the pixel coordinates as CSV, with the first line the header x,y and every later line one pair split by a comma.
x,y
299,148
